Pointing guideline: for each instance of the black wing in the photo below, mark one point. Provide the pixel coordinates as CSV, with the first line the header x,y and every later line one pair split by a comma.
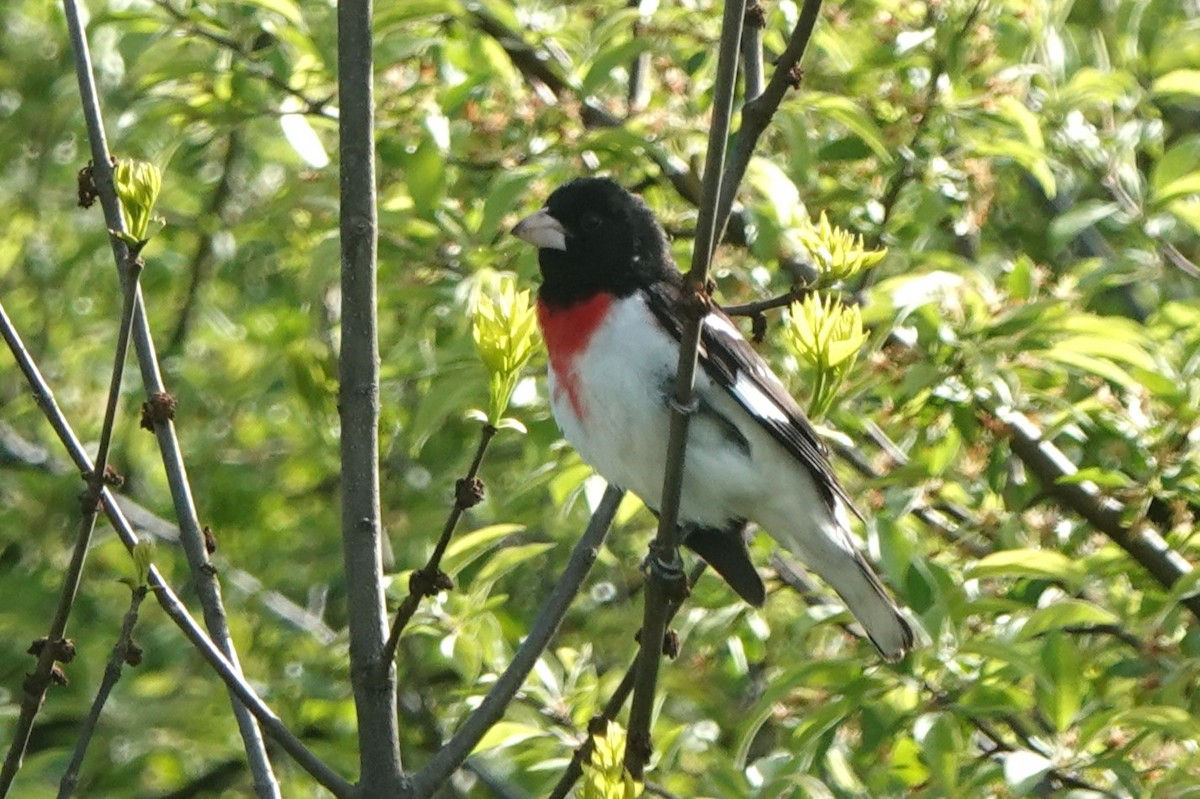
x,y
729,360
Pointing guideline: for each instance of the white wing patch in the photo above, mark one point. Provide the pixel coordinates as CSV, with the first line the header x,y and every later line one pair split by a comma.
x,y
719,324
756,401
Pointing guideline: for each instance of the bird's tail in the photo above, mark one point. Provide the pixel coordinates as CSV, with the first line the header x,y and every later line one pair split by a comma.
x,y
831,553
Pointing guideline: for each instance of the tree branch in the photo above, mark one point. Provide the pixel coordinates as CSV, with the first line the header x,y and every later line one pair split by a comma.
x,y
170,603
611,708
122,652
54,647
492,708
757,112
665,569
191,535
373,677
430,579
1051,465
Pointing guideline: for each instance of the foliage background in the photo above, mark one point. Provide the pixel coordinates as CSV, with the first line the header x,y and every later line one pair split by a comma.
x,y
1034,170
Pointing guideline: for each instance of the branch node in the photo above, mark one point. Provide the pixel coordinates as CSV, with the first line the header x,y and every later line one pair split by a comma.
x,y
758,328
158,409
795,76
756,15
424,583
63,649
468,492
671,645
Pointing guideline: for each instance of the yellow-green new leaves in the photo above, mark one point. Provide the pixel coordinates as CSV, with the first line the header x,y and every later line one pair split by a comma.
x,y
137,184
605,775
505,332
826,336
837,254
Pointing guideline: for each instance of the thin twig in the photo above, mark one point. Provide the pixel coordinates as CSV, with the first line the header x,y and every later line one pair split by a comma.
x,y
1052,466
54,646
665,569
16,450
611,708
191,535
795,294
170,603
373,676
758,112
430,579
492,707
124,651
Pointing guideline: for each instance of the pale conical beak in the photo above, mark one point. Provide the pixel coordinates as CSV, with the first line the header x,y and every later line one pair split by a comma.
x,y
542,231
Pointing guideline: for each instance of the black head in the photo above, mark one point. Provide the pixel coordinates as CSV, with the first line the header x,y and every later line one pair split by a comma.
x,y
593,236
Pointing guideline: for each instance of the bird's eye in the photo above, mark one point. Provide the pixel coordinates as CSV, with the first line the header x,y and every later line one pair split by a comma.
x,y
590,222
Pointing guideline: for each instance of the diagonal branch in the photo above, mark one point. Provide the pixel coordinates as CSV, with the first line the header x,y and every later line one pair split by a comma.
x,y
1052,466
665,569
430,579
192,537
122,653
757,112
54,647
611,708
492,708
170,603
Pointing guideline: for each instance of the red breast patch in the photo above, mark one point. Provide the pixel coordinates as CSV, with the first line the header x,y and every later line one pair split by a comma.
x,y
567,332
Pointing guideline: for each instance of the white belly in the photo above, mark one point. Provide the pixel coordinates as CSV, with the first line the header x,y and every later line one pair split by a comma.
x,y
621,382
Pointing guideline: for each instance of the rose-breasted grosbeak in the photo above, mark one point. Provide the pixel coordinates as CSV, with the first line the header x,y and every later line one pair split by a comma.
x,y
608,308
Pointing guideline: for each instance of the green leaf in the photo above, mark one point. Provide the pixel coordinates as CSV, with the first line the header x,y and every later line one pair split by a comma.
x,y
1177,173
620,55
1065,613
1061,688
943,750
1104,478
906,762
508,559
507,733
1026,563
1178,82
466,548
846,112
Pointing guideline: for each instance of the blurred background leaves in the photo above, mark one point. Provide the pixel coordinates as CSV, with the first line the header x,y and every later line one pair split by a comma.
x,y
1033,170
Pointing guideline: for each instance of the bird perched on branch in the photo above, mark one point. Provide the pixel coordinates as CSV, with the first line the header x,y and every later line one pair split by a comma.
x,y
609,308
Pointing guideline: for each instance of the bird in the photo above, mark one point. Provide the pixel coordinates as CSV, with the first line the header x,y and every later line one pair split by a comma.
x,y
609,310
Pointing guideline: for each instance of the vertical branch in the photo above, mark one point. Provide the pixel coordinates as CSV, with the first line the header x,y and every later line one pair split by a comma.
x,y
639,70
758,111
191,534
122,652
358,398
665,569
610,710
